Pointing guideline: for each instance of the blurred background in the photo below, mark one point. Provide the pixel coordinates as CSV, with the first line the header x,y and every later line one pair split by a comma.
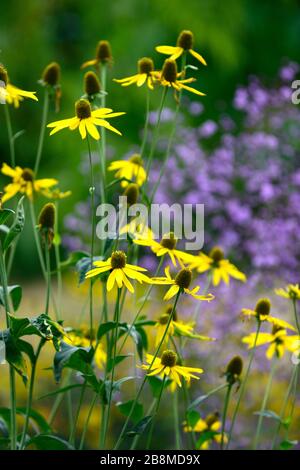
x,y
237,150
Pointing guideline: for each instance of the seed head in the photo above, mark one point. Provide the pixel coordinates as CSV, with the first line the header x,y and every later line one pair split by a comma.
x,y
132,193
169,71
27,175
137,159
184,278
118,260
169,241
47,217
234,369
51,74
217,254
103,52
91,83
163,319
212,418
3,74
145,65
169,358
83,109
185,40
263,307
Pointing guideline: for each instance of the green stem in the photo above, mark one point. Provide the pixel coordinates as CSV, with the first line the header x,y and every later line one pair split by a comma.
x,y
57,262
176,421
284,406
294,399
10,135
142,306
103,74
30,393
87,421
263,405
92,192
225,409
155,413
243,386
296,315
171,138
156,130
73,430
12,378
121,436
48,269
42,132
146,126
115,340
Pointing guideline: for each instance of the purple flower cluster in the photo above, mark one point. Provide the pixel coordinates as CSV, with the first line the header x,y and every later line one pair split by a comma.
x,y
247,175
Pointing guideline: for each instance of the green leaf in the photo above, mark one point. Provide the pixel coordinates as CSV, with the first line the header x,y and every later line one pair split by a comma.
x,y
17,226
192,417
140,427
268,414
205,436
105,328
73,357
14,354
49,442
156,384
4,443
60,390
287,444
5,214
38,419
15,293
84,265
4,431
74,257
125,409
116,361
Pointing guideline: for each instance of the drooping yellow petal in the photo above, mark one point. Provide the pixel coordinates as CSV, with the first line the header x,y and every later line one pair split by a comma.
x,y
82,128
168,50
198,56
192,90
92,129
171,292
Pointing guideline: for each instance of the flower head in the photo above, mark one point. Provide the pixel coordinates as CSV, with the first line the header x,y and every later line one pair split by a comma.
x,y
222,269
51,75
131,170
167,365
262,313
91,84
120,271
47,222
12,94
86,120
279,341
181,283
166,246
131,193
103,55
169,75
146,75
291,291
185,43
234,369
24,182
176,328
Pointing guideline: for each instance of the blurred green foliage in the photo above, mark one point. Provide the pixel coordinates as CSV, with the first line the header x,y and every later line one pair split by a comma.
x,y
237,38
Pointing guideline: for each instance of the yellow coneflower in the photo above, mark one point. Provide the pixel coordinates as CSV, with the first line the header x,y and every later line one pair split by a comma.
x,y
103,55
167,365
211,425
92,87
176,328
24,182
169,75
291,291
146,75
131,170
279,341
120,271
11,94
185,43
55,193
166,246
181,283
221,269
262,313
86,120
